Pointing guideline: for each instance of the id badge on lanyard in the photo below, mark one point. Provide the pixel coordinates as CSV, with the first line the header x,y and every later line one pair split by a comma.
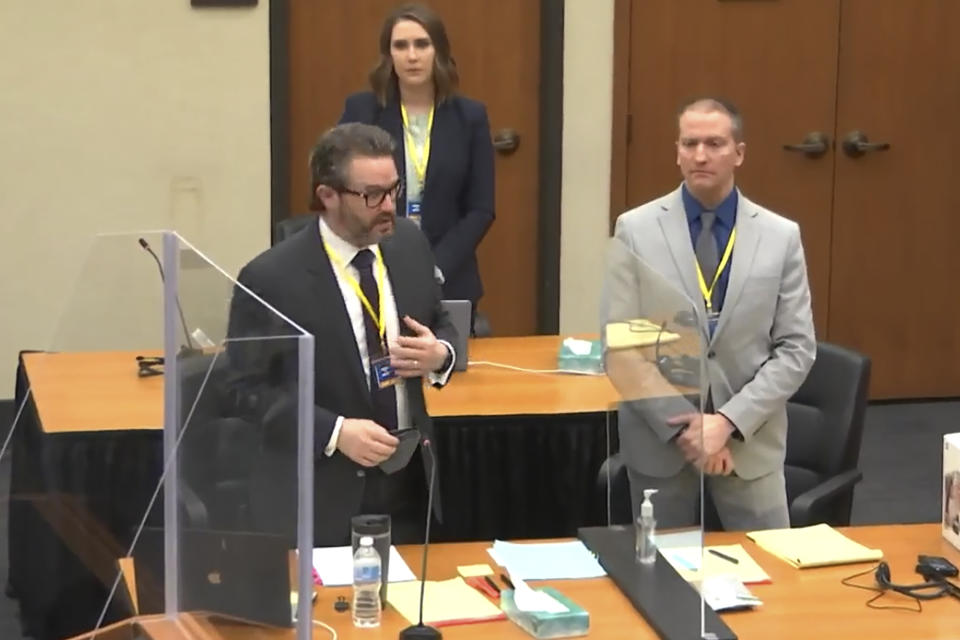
x,y
413,212
383,371
713,316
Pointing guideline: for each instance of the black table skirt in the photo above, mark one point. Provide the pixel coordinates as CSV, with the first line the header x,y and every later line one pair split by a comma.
x,y
507,477
515,477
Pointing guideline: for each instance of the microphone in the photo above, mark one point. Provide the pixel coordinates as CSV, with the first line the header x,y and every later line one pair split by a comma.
x,y
189,349
421,631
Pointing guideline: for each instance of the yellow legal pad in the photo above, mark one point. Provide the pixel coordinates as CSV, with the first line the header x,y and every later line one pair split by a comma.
x,y
445,602
470,570
636,333
818,546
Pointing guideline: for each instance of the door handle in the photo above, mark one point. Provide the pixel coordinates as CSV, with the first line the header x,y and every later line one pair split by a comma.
x,y
856,144
814,145
506,141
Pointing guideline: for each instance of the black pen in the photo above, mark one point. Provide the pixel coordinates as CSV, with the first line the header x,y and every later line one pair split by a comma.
x,y
724,556
506,581
492,583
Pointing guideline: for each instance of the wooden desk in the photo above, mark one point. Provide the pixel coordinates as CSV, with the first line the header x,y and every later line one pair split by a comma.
x,y
798,604
100,391
484,390
94,391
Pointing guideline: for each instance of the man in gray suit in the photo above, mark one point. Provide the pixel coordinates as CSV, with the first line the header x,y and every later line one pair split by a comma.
x,y
744,268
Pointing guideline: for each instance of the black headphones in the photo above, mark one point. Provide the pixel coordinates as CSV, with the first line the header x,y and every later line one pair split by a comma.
x,y
882,576
682,370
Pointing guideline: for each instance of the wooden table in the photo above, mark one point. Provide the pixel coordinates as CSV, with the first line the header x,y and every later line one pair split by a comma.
x,y
486,390
94,391
797,604
96,436
100,391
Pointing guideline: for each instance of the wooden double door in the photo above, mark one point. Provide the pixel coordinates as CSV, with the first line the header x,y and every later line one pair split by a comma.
x,y
851,124
333,45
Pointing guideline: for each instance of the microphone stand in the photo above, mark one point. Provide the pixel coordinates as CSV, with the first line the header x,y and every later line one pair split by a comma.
x,y
421,631
188,349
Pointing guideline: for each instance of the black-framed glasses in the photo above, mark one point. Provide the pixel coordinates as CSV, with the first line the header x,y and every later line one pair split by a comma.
x,y
373,197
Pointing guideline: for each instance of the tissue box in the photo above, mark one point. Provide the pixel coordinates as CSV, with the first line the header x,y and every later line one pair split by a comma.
x,y
580,355
575,621
951,488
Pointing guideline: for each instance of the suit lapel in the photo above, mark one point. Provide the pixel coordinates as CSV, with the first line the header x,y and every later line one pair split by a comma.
x,y
325,289
676,233
744,252
440,137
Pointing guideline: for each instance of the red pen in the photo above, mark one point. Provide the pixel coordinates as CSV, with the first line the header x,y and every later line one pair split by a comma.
x,y
481,585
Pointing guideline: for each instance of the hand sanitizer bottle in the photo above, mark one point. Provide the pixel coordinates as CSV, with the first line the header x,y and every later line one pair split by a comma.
x,y
646,530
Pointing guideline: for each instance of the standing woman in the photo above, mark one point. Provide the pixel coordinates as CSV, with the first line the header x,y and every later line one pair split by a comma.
x,y
443,141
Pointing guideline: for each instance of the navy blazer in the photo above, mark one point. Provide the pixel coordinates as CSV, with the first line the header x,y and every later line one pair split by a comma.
x,y
458,195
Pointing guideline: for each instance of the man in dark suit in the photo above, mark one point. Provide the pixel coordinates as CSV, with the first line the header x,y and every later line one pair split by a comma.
x,y
362,282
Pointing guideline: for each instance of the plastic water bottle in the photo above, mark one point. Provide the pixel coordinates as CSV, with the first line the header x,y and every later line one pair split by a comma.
x,y
366,585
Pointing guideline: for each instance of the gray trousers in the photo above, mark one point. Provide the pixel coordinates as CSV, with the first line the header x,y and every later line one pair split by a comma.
x,y
743,505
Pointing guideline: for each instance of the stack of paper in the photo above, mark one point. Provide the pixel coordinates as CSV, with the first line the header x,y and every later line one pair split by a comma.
x,y
445,602
688,560
817,546
546,560
727,593
334,566
637,333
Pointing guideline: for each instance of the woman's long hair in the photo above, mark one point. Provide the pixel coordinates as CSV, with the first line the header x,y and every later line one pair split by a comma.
x,y
446,79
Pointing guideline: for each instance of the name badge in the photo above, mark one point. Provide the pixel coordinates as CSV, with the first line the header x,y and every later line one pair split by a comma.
x,y
383,372
413,212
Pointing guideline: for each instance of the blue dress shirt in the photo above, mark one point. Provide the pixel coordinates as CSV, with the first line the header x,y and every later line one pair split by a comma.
x,y
722,228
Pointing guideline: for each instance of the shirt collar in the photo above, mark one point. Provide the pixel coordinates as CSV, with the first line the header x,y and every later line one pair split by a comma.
x,y
343,249
726,211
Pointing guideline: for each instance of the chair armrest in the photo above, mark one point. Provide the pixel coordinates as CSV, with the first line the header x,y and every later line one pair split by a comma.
x,y
805,505
197,517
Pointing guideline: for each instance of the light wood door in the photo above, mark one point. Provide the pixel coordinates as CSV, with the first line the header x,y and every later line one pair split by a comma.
x,y
777,61
894,284
496,43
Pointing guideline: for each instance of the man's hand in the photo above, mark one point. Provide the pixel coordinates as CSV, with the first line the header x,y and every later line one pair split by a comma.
x,y
719,464
705,435
417,355
365,442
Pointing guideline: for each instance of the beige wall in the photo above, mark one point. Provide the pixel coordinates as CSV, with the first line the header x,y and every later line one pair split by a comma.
x,y
120,115
113,117
585,197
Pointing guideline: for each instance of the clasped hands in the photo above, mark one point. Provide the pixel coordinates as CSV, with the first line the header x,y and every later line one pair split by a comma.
x,y
703,441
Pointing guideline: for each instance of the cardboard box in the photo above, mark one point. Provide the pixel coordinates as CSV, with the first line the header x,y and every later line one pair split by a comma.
x,y
951,488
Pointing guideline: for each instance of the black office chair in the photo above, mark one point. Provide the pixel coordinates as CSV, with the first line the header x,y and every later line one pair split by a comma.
x,y
825,418
217,450
289,226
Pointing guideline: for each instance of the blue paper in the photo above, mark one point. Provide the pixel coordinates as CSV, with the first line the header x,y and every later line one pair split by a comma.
x,y
547,560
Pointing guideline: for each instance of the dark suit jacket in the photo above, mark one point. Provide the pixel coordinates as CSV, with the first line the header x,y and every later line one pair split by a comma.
x,y
296,278
458,195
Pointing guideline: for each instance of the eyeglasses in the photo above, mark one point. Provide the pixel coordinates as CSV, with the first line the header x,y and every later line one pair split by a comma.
x,y
374,196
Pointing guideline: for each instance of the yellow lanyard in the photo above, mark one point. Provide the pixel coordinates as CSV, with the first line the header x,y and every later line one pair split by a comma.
x,y
708,293
419,160
377,316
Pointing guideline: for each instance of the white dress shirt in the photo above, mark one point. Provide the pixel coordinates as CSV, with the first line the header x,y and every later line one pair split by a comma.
x,y
345,252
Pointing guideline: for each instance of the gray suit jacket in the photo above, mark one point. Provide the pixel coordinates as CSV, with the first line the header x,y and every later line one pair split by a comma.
x,y
763,345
